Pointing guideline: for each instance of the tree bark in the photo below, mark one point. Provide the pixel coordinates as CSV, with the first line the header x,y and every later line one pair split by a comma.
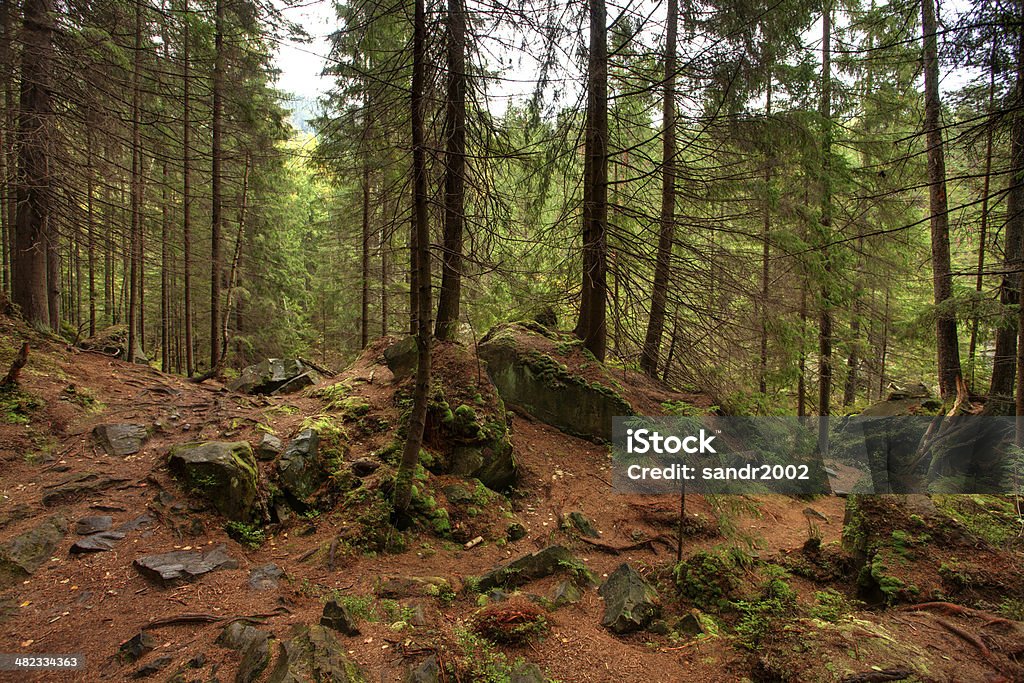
x,y
947,344
666,235
136,190
186,191
32,227
592,325
983,229
217,153
449,297
825,318
417,417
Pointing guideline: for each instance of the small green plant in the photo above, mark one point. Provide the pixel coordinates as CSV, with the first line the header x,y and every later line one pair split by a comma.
x,y
830,605
777,601
249,535
510,623
360,606
16,406
477,660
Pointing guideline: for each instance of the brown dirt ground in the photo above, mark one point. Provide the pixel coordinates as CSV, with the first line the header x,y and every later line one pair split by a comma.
x,y
91,604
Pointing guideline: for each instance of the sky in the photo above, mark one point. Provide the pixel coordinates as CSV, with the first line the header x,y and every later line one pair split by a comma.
x,y
301,64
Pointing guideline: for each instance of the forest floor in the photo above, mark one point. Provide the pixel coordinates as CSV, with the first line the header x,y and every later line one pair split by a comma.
x,y
93,603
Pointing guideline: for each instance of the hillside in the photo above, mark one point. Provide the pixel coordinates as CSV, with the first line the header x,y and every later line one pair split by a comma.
x,y
786,609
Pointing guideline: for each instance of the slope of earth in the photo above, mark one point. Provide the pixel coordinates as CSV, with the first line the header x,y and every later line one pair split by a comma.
x,y
418,594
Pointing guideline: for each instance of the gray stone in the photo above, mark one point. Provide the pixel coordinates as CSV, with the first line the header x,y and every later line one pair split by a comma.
x,y
265,577
566,593
254,646
306,379
417,616
21,556
314,654
411,586
364,467
97,543
338,617
539,385
515,532
269,376
630,602
659,627
426,671
184,564
402,357
92,524
138,645
268,447
120,439
689,624
152,668
137,523
300,470
583,525
529,568
527,672
225,473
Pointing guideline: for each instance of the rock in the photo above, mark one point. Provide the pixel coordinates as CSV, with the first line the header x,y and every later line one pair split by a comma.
x,y
268,447
254,646
659,627
402,357
300,470
578,521
534,382
417,616
265,577
21,556
411,586
515,532
13,513
527,672
566,593
197,662
92,524
529,568
338,617
120,439
547,317
364,467
98,542
137,523
473,447
689,624
138,645
154,667
79,485
496,595
184,564
274,376
630,602
314,654
225,473
426,671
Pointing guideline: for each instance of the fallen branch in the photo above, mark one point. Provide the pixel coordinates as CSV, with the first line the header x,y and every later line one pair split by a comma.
x,y
322,370
969,637
11,380
950,609
187,618
617,549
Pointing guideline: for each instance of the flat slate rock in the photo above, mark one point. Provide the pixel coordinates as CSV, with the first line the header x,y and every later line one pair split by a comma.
x,y
265,577
152,668
120,439
93,524
184,564
135,647
528,568
98,542
339,618
268,447
78,485
254,646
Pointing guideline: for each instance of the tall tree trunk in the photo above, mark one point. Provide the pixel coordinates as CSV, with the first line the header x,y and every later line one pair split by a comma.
x,y
6,196
33,224
591,326
666,235
383,281
186,191
983,229
217,153
417,417
91,231
136,200
762,368
449,297
7,63
947,344
364,317
825,319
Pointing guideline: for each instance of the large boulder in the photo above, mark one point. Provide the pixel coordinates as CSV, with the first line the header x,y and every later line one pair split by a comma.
x,y
630,602
300,468
521,361
314,654
24,554
274,376
225,473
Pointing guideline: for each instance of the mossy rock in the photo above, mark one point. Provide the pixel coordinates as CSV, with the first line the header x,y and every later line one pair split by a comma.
x,y
630,602
314,654
24,554
301,469
224,473
533,381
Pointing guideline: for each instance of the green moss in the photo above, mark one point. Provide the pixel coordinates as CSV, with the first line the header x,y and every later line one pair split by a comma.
x,y
831,606
16,406
710,578
993,518
249,535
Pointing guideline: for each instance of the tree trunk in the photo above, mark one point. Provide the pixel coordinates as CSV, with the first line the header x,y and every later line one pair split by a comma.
x,y
825,319
947,345
666,235
762,368
449,297
216,198
364,317
417,417
983,230
136,199
186,192
591,326
32,227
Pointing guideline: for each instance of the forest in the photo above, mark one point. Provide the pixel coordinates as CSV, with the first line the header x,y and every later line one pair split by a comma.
x,y
379,346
